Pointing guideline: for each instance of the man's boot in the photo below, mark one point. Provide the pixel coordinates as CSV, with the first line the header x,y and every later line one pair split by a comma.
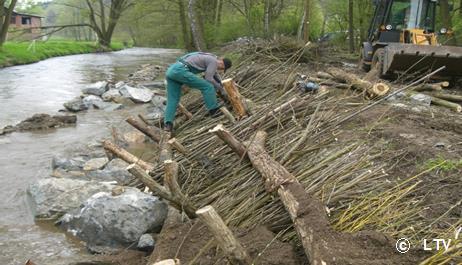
x,y
213,113
168,127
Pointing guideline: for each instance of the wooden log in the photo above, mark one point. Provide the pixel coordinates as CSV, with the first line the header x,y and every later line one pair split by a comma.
x,y
440,102
372,90
174,143
152,132
228,114
282,107
167,262
144,119
185,111
229,139
126,156
171,181
166,148
447,104
449,97
160,191
320,242
234,251
234,97
431,87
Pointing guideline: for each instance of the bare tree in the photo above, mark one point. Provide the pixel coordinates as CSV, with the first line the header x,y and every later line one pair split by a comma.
x,y
5,18
351,33
196,29
104,15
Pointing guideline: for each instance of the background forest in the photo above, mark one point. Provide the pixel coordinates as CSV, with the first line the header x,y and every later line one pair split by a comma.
x,y
171,23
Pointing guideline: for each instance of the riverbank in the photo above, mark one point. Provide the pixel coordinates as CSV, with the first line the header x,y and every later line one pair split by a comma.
x,y
18,53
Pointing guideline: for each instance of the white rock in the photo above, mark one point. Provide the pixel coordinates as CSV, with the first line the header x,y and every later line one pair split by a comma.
x,y
96,89
138,95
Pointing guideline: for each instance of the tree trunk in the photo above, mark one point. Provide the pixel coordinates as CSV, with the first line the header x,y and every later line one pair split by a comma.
x,y
184,25
196,29
5,23
372,90
446,19
267,18
351,32
306,22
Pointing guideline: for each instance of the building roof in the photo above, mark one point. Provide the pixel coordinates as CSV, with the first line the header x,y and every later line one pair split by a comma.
x,y
25,15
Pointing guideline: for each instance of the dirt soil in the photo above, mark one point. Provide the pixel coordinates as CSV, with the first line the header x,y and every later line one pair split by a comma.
x,y
192,243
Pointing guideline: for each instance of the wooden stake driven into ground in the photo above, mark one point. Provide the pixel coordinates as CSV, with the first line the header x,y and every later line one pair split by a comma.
x,y
223,236
126,156
171,180
162,192
185,111
372,90
234,97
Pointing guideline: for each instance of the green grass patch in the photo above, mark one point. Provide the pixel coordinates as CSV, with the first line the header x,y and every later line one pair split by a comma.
x,y
443,164
15,53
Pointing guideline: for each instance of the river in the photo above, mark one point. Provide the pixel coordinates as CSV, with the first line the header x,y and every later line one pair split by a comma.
x,y
24,157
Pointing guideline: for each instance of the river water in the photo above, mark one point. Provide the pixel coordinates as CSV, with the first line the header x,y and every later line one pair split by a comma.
x,y
25,157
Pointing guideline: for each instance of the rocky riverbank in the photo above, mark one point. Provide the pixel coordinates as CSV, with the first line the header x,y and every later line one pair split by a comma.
x,y
90,194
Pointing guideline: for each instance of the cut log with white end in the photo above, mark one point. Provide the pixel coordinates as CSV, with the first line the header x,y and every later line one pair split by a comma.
x,y
372,90
234,97
228,115
151,131
447,104
167,262
223,236
185,111
449,97
126,156
229,139
178,146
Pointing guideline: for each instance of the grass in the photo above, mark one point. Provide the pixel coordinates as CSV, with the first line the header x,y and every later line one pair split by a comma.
x,y
444,164
16,53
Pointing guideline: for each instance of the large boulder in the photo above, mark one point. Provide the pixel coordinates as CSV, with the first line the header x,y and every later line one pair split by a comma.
x,y
68,164
76,105
111,94
116,221
137,95
92,100
52,197
96,89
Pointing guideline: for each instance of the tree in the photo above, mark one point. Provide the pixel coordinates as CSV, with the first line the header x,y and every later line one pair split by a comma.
x,y
446,19
104,15
196,27
306,21
5,18
351,33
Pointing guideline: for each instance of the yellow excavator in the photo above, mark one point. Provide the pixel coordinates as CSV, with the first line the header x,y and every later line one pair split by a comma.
x,y
402,38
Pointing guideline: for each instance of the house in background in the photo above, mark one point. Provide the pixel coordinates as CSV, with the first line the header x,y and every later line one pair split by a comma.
x,y
24,26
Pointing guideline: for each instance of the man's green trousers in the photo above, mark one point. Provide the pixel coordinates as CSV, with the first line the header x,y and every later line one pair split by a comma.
x,y
178,75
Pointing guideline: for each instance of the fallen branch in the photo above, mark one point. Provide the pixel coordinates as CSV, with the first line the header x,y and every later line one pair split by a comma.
x,y
171,180
223,236
151,131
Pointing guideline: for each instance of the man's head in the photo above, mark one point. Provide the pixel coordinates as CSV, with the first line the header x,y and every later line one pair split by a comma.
x,y
224,64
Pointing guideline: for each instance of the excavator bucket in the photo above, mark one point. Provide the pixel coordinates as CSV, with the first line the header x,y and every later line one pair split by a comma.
x,y
411,58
